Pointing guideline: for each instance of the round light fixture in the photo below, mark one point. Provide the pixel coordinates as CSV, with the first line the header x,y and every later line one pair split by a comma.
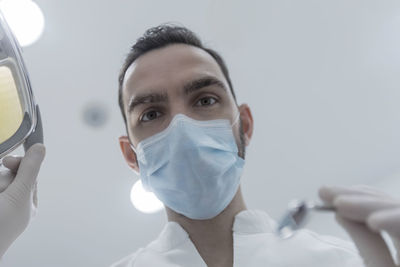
x,y
95,114
144,201
25,19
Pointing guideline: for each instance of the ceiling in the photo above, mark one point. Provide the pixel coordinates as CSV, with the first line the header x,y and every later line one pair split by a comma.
x,y
321,77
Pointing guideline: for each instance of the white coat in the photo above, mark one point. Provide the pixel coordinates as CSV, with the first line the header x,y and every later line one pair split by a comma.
x,y
255,244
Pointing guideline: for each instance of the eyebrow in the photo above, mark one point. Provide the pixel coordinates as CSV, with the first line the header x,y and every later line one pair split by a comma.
x,y
188,88
145,99
200,83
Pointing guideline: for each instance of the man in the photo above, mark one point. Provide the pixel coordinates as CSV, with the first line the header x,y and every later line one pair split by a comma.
x,y
186,136
172,91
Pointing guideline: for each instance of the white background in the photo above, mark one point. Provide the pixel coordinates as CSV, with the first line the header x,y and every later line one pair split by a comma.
x,y
321,77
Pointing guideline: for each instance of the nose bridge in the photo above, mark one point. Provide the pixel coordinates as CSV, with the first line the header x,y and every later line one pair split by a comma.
x,y
178,106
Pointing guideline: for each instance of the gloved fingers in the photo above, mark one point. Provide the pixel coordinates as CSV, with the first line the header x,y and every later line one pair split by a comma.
x,y
368,189
329,193
29,168
386,220
34,201
396,243
12,163
360,207
370,245
35,198
6,178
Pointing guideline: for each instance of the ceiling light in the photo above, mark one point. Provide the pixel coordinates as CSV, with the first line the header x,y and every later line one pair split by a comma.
x,y
144,201
25,19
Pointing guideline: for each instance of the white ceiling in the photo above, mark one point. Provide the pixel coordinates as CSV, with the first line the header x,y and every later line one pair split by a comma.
x,y
322,79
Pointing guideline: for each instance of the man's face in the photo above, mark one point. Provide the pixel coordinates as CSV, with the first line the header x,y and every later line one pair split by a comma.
x,y
175,79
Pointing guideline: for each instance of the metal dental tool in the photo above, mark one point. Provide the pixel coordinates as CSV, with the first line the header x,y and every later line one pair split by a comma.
x,y
297,215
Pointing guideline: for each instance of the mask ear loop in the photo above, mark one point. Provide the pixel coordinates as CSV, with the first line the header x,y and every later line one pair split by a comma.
x,y
133,148
236,119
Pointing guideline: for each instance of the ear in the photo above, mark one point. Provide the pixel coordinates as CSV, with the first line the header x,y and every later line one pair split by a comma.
x,y
129,154
247,122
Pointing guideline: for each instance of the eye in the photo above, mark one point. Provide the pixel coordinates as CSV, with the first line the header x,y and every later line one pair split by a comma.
x,y
206,101
150,115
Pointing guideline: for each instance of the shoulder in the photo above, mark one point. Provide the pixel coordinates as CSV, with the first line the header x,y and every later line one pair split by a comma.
x,y
255,232
128,261
256,221
153,254
142,257
327,247
332,241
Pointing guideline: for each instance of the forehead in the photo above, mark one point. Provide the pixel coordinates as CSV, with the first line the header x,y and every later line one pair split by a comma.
x,y
169,68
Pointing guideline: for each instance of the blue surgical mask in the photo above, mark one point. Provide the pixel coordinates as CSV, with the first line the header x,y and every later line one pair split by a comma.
x,y
192,166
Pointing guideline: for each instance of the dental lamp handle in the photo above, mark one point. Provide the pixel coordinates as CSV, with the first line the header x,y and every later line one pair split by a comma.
x,y
37,135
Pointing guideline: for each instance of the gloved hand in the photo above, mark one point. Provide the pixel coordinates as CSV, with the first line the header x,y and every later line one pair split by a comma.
x,y
18,194
364,212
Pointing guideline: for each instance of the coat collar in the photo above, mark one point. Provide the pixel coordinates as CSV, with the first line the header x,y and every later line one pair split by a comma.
x,y
170,237
253,222
245,222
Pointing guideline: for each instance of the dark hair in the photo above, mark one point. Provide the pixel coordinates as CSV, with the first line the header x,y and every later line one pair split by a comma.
x,y
162,36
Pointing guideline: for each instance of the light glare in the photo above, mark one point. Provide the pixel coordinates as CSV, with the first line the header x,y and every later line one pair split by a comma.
x,y
25,19
144,201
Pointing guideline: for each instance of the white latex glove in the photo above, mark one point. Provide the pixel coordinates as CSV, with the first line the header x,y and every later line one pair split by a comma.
x,y
364,212
18,194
